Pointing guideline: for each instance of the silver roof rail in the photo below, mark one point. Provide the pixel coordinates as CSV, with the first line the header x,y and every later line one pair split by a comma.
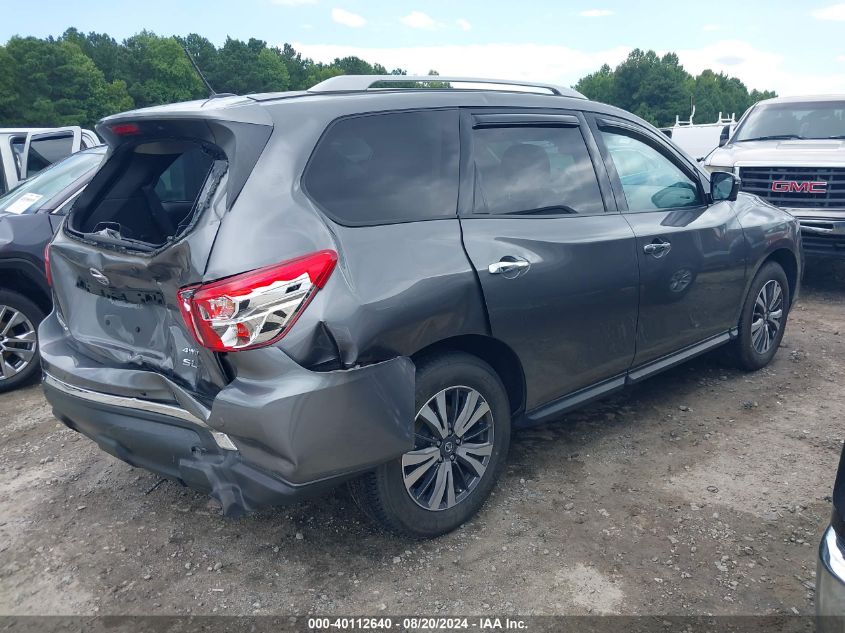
x,y
362,83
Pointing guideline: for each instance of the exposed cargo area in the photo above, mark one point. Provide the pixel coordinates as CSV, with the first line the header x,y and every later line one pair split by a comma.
x,y
150,193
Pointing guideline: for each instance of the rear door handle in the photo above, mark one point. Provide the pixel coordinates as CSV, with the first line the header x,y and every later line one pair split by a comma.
x,y
657,249
507,266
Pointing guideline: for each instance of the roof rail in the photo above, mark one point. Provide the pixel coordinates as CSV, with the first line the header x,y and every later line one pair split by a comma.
x,y
362,83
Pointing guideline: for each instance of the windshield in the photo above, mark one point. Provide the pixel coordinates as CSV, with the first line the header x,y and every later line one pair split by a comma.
x,y
35,193
812,119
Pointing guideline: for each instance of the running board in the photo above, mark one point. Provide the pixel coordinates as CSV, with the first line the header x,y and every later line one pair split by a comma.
x,y
553,410
667,362
556,408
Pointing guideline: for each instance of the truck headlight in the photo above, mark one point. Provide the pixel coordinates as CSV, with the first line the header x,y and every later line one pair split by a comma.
x,y
711,168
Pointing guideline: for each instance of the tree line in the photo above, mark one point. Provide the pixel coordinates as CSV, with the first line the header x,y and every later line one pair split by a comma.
x,y
659,88
78,78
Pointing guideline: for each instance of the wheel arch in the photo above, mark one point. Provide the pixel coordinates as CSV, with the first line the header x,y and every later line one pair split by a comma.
x,y
26,279
788,260
495,353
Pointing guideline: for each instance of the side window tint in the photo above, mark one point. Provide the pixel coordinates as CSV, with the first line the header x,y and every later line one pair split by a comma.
x,y
533,170
649,179
182,181
43,152
386,168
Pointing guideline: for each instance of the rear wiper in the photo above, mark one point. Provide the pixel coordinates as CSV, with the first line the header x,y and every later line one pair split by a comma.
x,y
835,137
773,137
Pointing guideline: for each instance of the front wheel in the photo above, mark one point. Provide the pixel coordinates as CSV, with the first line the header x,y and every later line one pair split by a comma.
x,y
763,319
462,435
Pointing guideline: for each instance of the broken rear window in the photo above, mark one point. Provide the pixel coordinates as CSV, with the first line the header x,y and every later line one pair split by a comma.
x,y
151,193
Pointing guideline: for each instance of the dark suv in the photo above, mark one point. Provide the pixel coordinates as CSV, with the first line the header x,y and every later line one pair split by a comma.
x,y
372,283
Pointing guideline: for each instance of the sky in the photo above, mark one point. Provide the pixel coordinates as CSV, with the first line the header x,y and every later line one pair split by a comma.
x,y
791,47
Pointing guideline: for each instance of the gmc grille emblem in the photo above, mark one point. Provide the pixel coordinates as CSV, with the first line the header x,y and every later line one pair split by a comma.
x,y
793,186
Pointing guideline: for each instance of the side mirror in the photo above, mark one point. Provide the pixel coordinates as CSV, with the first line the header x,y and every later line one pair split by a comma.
x,y
724,186
724,135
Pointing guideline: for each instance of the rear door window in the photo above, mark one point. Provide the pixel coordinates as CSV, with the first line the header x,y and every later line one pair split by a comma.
x,y
387,168
533,170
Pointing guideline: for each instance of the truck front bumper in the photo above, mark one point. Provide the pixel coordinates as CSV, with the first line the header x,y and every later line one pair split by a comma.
x,y
822,236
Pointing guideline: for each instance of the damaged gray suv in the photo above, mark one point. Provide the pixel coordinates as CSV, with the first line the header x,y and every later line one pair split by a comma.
x,y
263,297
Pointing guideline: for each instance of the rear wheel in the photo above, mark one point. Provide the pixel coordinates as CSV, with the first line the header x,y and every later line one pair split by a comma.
x,y
462,435
19,358
763,319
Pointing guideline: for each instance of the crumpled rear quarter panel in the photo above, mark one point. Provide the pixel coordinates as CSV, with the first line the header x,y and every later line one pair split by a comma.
x,y
307,425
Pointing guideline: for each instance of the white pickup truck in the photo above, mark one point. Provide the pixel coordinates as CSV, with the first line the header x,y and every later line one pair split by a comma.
x,y
26,151
790,151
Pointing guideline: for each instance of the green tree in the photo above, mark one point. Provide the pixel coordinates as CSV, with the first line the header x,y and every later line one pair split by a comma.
x,y
204,54
246,67
104,51
8,86
659,88
57,84
158,71
599,86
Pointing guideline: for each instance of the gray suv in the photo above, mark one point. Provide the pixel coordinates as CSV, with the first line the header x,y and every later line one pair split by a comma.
x,y
263,297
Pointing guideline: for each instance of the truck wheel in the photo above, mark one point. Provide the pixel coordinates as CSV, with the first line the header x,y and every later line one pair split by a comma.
x,y
462,434
763,318
19,358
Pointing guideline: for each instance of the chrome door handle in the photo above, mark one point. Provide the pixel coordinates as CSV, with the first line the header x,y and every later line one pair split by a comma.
x,y
658,249
497,268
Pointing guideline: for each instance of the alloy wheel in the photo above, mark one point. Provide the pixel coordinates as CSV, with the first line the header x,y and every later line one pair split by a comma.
x,y
452,448
767,318
17,342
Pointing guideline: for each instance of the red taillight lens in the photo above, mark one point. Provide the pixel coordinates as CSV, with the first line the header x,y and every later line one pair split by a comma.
x,y
47,268
256,308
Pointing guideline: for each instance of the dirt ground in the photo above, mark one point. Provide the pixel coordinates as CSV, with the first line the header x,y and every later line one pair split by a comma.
x,y
703,491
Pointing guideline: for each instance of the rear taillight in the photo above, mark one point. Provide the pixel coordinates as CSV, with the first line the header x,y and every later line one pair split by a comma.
x,y
47,269
256,308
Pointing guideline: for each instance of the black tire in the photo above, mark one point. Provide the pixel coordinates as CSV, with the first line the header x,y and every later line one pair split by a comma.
x,y
744,353
34,316
382,493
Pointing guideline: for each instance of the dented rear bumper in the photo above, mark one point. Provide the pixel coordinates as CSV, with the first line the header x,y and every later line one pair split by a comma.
x,y
277,433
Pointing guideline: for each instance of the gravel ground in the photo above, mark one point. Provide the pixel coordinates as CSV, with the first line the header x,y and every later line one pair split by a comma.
x,y
702,491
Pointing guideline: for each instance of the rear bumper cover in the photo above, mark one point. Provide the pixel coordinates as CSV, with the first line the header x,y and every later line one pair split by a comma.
x,y
830,584
294,432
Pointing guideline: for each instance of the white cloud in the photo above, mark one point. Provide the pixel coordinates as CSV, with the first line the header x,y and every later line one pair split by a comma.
x,y
760,69
347,18
463,24
596,13
835,12
533,62
292,3
418,20
841,58
709,28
